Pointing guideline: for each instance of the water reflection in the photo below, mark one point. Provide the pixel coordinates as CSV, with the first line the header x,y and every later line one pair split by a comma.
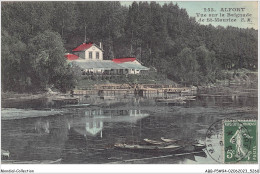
x,y
100,113
87,134
92,121
42,126
34,138
75,148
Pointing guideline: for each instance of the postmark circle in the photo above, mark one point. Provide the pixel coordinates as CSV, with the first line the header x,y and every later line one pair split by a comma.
x,y
227,141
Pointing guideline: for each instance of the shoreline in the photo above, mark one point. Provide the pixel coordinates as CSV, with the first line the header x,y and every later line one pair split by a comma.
x,y
29,96
240,88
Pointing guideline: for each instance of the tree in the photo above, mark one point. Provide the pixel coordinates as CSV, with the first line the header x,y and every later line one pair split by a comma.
x,y
13,69
187,67
64,19
158,35
208,65
48,62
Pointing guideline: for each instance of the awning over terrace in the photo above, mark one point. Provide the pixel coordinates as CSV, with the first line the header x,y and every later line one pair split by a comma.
x,y
108,65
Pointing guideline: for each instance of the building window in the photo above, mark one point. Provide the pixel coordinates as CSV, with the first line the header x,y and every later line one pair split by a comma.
x,y
90,55
97,55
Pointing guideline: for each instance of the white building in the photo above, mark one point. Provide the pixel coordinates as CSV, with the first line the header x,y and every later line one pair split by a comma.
x,y
89,51
89,57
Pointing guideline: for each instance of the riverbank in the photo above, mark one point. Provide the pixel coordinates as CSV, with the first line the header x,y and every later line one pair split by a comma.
x,y
241,77
31,96
233,82
21,96
236,83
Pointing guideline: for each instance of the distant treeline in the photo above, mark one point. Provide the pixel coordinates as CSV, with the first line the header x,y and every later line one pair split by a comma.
x,y
34,35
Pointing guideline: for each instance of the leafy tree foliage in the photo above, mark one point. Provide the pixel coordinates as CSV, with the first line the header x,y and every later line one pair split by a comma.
x,y
188,66
13,65
44,66
160,36
47,59
208,66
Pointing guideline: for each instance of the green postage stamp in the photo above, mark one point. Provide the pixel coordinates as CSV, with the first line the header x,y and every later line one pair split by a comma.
x,y
240,141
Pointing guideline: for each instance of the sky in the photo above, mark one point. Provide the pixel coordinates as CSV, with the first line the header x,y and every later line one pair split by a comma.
x,y
250,9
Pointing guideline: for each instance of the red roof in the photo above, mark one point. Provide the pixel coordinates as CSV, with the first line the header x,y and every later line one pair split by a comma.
x,y
125,59
71,56
83,47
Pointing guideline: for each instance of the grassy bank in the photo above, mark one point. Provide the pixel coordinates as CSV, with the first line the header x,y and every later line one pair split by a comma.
x,y
149,78
229,77
241,77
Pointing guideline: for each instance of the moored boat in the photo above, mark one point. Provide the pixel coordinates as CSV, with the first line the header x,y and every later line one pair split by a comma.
x,y
76,105
177,100
199,146
148,149
112,97
189,98
168,140
187,144
154,142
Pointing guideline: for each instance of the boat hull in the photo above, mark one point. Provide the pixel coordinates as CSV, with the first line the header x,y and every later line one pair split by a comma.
x,y
149,149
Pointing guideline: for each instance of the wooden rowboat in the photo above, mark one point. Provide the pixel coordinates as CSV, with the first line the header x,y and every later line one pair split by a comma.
x,y
154,142
76,105
148,149
185,143
168,140
199,146
171,100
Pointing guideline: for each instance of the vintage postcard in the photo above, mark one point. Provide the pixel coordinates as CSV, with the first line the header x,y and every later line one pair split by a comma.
x,y
129,82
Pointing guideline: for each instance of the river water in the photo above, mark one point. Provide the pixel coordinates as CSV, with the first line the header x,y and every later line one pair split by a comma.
x,y
87,133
